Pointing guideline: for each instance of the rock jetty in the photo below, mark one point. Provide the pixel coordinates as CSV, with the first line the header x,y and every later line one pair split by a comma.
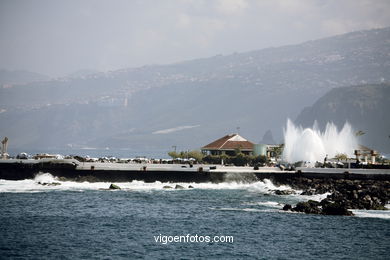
x,y
344,195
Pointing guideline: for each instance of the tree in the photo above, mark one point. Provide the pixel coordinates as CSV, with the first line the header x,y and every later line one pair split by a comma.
x,y
240,159
359,133
261,159
341,157
278,150
173,154
197,155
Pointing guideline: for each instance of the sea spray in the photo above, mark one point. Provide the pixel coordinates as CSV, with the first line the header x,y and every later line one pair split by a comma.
x,y
35,185
310,145
44,177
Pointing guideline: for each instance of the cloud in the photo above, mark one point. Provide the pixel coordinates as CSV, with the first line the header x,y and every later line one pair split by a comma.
x,y
59,37
183,20
229,7
175,129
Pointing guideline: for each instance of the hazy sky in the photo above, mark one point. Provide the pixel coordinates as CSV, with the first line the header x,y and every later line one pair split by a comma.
x,y
59,37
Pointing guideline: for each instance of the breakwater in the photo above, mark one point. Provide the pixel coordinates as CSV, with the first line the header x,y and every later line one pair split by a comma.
x,y
347,188
93,172
121,172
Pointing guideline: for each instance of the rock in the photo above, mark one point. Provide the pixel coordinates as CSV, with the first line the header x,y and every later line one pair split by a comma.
x,y
114,187
309,192
178,187
190,187
167,187
49,183
336,209
351,194
284,192
309,207
54,184
367,198
355,195
287,207
378,207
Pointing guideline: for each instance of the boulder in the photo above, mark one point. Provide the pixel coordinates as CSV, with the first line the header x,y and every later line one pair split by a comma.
x,y
114,187
54,184
190,187
49,183
345,194
309,207
284,192
336,209
309,192
167,187
179,187
287,207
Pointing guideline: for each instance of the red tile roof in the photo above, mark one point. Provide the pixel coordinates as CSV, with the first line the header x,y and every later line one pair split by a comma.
x,y
230,142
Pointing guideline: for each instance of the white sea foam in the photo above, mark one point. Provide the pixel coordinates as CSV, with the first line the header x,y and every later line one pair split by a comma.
x,y
270,204
43,182
45,178
46,182
316,197
245,209
384,214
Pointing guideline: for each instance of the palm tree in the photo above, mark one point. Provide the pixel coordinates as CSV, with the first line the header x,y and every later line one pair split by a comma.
x,y
359,133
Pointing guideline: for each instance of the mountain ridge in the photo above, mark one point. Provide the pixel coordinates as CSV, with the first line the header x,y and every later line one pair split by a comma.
x,y
363,106
256,91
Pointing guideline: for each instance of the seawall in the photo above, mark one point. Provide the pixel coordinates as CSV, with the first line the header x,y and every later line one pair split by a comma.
x,y
115,172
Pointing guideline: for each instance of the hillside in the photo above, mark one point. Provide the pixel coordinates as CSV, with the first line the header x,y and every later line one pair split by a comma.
x,y
365,107
18,77
191,103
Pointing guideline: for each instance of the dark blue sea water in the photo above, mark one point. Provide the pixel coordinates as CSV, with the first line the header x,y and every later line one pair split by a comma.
x,y
79,221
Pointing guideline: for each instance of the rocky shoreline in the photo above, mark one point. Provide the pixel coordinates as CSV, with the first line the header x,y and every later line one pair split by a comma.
x,y
345,195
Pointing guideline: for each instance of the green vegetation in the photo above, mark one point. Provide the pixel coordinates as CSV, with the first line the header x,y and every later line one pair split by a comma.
x,y
197,155
341,157
239,159
278,150
359,133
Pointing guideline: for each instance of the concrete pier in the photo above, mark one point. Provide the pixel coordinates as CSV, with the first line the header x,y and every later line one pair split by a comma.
x,y
123,172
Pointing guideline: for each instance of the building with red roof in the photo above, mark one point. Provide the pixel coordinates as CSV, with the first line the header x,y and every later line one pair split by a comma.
x,y
228,145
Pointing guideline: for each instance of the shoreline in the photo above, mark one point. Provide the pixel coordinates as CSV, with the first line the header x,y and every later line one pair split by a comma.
x,y
349,188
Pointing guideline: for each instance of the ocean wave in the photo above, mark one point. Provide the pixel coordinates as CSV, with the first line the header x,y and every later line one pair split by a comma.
x,y
271,204
383,214
46,182
245,209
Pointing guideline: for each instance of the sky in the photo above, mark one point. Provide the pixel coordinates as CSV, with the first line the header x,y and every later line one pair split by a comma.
x,y
56,37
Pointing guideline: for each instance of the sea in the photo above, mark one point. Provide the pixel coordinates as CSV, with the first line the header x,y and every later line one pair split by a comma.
x,y
232,220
